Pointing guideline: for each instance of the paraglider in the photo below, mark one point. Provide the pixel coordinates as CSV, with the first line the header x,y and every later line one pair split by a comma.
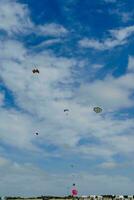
x,y
97,109
73,184
36,133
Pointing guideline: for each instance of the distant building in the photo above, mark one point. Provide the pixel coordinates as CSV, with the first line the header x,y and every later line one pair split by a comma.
x,y
130,197
108,197
92,197
99,197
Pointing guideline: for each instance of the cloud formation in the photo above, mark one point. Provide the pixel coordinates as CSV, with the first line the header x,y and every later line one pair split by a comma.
x,y
14,17
52,30
38,103
117,37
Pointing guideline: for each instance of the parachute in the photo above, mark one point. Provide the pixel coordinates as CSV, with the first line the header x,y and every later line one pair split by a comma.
x,y
35,71
74,192
66,110
97,109
36,133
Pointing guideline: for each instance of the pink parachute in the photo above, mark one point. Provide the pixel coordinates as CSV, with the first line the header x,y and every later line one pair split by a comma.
x,y
74,192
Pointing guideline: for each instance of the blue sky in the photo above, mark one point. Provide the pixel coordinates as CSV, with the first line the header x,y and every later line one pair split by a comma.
x,y
84,51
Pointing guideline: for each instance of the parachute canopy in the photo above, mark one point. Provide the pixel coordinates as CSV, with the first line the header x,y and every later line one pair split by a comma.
x,y
97,109
74,192
66,110
35,71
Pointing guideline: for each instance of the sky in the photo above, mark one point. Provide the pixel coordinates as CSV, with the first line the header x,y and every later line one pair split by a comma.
x,y
84,51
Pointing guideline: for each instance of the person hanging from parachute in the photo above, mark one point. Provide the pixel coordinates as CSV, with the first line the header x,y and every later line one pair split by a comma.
x,y
74,191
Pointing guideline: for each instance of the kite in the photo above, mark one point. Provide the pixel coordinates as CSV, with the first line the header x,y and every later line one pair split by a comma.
x,y
36,133
97,109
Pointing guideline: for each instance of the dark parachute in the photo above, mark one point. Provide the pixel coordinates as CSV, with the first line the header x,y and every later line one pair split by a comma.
x,y
97,109
35,71
36,133
66,110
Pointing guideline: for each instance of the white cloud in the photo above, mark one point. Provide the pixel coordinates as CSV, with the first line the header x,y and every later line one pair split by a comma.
x,y
122,143
123,33
20,130
97,66
49,43
52,30
97,151
122,16
109,93
14,17
12,50
126,17
111,164
98,45
108,165
117,38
